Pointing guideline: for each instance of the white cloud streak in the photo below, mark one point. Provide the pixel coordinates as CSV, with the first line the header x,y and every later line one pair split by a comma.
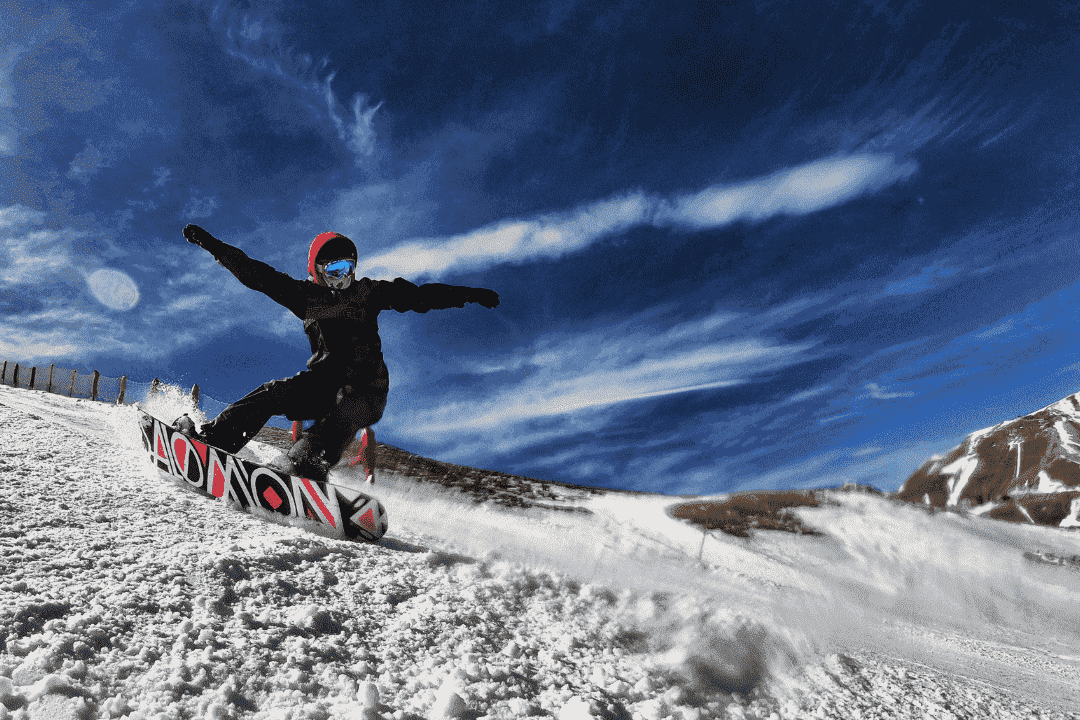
x,y
795,191
877,392
64,332
564,376
189,304
515,241
30,256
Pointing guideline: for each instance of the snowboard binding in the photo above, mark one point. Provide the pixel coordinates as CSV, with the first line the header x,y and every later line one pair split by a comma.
x,y
186,425
366,456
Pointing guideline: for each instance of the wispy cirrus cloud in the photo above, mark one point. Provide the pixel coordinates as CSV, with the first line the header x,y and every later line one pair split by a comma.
x,y
565,392
62,329
257,42
27,254
359,135
189,304
563,376
32,256
928,278
795,191
877,392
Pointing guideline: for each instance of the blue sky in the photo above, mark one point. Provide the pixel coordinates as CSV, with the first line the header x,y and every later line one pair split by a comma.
x,y
746,245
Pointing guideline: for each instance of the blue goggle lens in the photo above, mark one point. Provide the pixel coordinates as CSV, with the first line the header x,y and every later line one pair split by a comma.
x,y
339,268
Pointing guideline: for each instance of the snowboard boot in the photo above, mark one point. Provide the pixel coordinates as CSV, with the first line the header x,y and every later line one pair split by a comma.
x,y
308,460
310,470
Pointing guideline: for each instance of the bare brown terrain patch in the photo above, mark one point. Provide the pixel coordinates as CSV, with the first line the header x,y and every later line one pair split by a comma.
x,y
741,513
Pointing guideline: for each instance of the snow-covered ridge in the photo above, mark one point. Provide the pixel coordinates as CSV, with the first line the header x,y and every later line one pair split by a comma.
x,y
122,597
1024,470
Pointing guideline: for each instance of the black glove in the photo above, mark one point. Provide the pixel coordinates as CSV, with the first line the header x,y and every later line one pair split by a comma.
x,y
487,298
197,236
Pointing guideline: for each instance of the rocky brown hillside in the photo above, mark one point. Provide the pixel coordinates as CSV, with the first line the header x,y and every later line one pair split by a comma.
x,y
480,485
1023,470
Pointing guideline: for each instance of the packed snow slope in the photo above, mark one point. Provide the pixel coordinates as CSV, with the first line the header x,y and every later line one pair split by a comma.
x,y
1025,470
124,596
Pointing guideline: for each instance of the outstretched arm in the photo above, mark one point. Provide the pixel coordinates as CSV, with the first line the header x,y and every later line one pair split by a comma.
x,y
257,275
403,296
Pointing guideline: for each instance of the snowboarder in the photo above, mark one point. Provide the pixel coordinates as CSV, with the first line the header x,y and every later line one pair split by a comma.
x,y
345,386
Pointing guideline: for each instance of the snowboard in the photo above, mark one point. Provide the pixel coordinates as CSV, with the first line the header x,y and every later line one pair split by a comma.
x,y
343,511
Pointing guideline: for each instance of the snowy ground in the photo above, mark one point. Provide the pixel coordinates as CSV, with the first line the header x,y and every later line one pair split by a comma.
x,y
122,596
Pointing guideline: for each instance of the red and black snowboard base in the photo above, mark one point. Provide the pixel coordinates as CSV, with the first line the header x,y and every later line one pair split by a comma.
x,y
345,512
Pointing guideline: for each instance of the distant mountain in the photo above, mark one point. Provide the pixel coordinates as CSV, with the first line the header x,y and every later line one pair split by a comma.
x,y
1023,470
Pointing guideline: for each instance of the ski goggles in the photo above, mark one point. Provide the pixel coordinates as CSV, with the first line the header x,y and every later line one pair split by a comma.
x,y
338,269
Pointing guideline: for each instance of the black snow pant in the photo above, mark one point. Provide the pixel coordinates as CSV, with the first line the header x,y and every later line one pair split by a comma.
x,y
339,408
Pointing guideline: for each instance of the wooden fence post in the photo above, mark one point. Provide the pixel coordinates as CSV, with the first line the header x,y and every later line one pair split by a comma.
x,y
195,394
3,378
52,369
123,389
93,388
71,387
15,377
33,376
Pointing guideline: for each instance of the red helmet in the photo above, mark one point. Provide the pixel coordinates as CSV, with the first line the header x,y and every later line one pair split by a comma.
x,y
328,246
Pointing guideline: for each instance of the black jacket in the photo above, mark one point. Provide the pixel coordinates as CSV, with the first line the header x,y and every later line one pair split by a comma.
x,y
342,326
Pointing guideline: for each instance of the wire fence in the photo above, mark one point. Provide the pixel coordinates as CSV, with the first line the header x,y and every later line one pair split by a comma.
x,y
93,385
73,383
